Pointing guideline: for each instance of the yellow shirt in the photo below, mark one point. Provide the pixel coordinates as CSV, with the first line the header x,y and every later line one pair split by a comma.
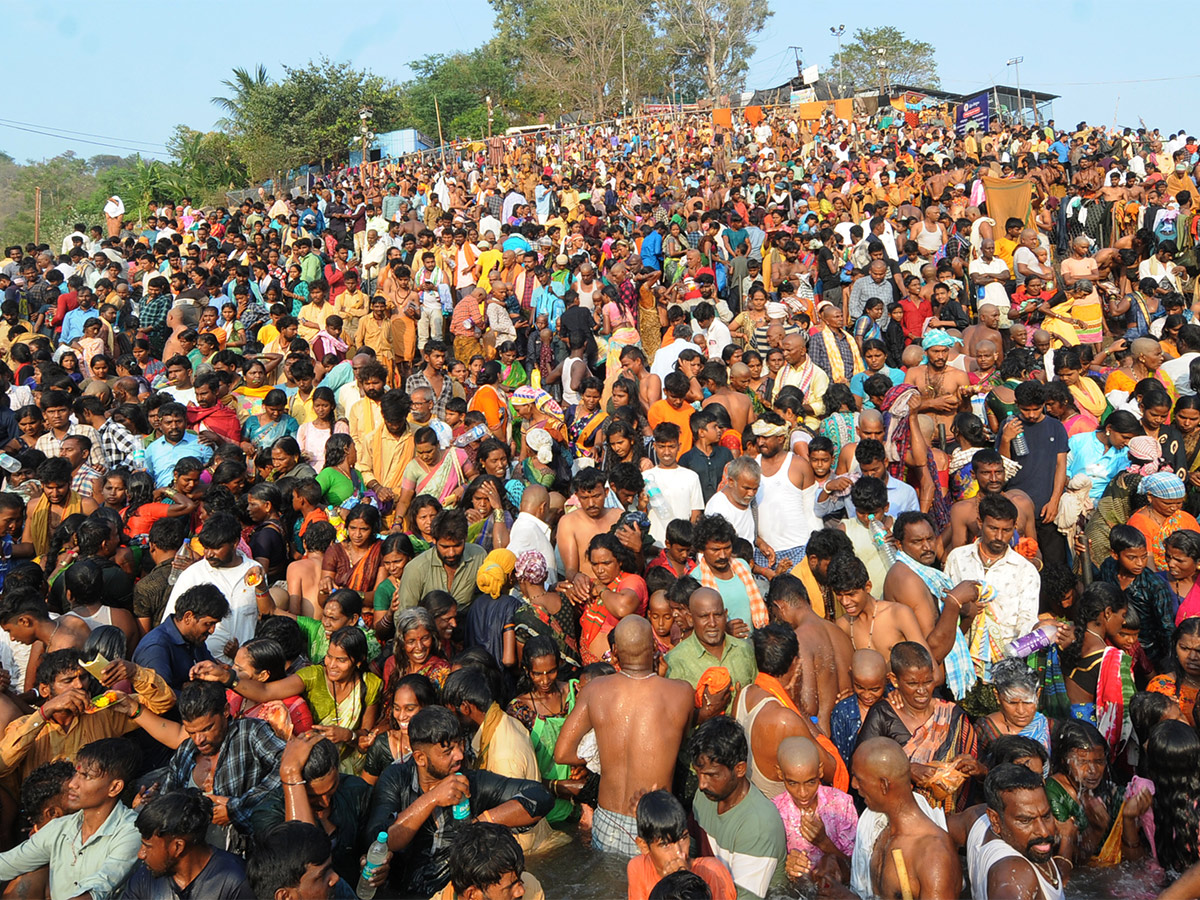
x,y
352,303
1005,250
488,260
313,313
364,418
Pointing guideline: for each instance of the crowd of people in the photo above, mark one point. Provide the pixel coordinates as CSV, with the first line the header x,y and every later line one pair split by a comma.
x,y
754,504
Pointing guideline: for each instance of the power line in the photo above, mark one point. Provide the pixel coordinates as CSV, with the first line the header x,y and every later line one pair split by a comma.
x,y
69,133
75,139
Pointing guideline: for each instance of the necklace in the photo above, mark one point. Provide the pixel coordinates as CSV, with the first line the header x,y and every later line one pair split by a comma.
x,y
870,634
637,677
1098,637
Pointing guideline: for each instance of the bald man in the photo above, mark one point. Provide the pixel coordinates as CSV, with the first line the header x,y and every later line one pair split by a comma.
x,y
832,810
736,402
911,853
639,719
531,529
986,329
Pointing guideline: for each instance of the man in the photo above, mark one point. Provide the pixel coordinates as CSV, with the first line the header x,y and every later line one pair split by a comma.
x,y
577,528
385,452
91,850
451,564
176,443
941,385
876,285
800,372
25,618
485,863
832,349
723,388
1012,851
60,727
785,502
1178,371
151,591
898,820
991,476
224,567
434,377
499,743
293,862
1045,442
213,421
824,649
712,540
312,790
639,720
175,646
678,487
365,415
991,273
1016,581
741,826
176,859
870,458
734,500
236,760
531,530
413,800
56,408
710,646
986,329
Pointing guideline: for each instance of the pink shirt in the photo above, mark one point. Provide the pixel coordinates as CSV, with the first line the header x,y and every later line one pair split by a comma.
x,y
836,810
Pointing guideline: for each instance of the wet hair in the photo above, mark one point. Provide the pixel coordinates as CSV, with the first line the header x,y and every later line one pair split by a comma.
x,y
1097,597
720,740
1014,675
108,640
201,698
681,885
1008,777
425,691
185,813
266,655
285,632
203,600
468,685
115,758
282,856
1173,756
1008,748
869,495
661,818
846,573
1073,735
909,655
775,648
433,725
827,543
482,854
42,785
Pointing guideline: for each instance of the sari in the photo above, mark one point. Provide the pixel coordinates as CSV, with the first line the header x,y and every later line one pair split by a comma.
x,y
490,401
1114,689
947,733
1089,398
435,669
561,627
987,732
1113,508
263,436
481,532
1080,423
513,376
543,734
649,327
1184,695
1155,535
624,334
895,408
597,621
249,400
444,479
286,717
359,576
348,713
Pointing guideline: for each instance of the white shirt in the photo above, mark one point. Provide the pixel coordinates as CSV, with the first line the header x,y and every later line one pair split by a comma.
x,y
1017,584
243,608
742,520
681,489
1179,371
718,337
870,826
993,293
530,533
666,357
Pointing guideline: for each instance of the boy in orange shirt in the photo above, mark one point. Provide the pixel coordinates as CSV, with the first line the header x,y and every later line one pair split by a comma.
x,y
674,408
663,839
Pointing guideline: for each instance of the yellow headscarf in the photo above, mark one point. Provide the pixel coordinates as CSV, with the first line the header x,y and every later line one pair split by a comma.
x,y
496,569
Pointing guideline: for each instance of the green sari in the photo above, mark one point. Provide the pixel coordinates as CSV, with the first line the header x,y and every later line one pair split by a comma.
x,y
543,734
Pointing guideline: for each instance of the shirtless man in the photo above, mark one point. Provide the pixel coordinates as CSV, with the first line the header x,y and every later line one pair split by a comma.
x,y
986,329
649,384
883,778
941,385
714,377
577,528
57,497
825,649
766,720
870,427
964,515
870,623
639,719
305,595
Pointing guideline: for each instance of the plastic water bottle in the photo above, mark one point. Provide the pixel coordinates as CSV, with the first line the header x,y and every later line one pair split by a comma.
x,y
9,464
1019,445
471,435
461,810
658,503
1038,639
879,535
377,855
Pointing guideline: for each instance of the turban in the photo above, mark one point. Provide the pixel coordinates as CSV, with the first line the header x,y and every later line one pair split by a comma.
x,y
1144,447
531,567
776,310
539,441
766,429
935,337
494,572
1164,485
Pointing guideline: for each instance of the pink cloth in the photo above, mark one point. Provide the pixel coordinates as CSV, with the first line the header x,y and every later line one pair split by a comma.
x,y
836,810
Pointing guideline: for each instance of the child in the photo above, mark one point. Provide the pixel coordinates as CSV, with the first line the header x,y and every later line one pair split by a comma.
x,y
676,556
305,596
1128,567
678,594
662,625
893,334
869,681
839,422
662,838
821,455
1127,640
208,325
207,346
679,487
235,331
91,344
820,821
328,341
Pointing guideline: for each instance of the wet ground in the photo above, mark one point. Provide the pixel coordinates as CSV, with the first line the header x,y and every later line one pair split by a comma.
x,y
577,872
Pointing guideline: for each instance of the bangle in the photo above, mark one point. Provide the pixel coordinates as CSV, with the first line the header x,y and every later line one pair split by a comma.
x,y
138,713
233,681
292,783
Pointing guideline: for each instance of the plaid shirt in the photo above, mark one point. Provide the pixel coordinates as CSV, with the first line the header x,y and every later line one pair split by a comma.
x,y
83,481
418,380
120,448
254,315
153,320
247,768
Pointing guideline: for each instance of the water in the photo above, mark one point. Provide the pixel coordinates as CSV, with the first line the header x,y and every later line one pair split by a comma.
x,y
579,872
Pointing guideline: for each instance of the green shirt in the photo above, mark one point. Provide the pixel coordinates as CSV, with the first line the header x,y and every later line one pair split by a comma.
x,y
426,573
749,839
335,485
690,659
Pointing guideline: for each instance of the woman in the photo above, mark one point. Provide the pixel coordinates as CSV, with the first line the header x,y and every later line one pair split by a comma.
x,y
623,444
488,522
1181,447
1116,503
587,420
1173,753
396,554
745,323
314,434
262,660
415,650
1182,683
342,609
339,479
295,289
268,537
253,389
1163,514
264,429
616,591
1089,398
537,409
1017,691
1001,401
512,373
143,510
544,612
619,322
354,562
1183,560
1099,675
491,401
403,700
419,521
342,694
444,609
935,734
442,474
541,705
1061,405
1104,821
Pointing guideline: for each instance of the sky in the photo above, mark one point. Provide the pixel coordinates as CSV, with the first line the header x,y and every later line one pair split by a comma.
x,y
170,59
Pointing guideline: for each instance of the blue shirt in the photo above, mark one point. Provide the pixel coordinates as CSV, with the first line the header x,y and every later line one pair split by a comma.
x,y
72,324
1087,456
165,651
517,242
546,303
162,455
652,250
901,499
857,382
1061,150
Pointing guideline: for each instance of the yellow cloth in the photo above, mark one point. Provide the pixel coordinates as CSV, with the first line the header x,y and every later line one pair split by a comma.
x,y
365,418
496,569
39,520
383,457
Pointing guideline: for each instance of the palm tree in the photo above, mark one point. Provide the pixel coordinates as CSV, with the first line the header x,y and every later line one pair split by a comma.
x,y
241,87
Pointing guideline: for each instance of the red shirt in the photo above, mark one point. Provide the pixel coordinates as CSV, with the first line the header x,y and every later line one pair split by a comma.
x,y
915,317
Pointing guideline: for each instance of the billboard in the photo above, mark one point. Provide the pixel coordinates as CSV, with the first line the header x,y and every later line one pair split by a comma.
x,y
972,113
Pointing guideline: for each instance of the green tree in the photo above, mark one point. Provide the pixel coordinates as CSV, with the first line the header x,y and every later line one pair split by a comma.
x,y
712,40
241,87
461,82
906,61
